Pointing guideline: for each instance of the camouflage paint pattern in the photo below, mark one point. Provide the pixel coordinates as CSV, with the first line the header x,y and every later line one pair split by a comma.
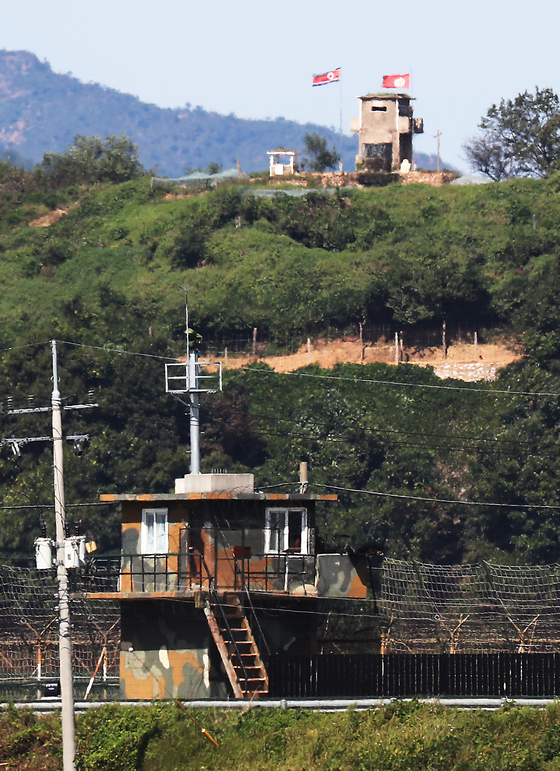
x,y
167,652
339,576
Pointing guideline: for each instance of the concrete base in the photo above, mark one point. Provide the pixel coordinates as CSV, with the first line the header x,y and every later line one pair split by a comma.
x,y
215,483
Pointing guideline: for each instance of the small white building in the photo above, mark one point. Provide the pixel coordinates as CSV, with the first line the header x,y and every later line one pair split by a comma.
x,y
282,162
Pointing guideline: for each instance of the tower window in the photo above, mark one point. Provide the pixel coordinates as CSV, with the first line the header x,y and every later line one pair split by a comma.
x,y
286,530
154,531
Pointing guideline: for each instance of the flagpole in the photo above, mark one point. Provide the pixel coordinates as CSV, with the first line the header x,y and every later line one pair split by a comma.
x,y
340,138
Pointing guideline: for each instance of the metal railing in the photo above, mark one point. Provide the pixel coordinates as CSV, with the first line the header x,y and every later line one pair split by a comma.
x,y
189,571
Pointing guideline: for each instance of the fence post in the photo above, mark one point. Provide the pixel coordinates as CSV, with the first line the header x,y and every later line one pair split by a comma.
x,y
254,341
362,347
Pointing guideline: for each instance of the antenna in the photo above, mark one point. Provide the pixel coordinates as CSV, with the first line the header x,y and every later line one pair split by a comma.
x,y
186,321
193,377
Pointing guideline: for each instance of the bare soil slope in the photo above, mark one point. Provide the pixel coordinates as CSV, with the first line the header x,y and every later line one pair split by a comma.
x,y
463,361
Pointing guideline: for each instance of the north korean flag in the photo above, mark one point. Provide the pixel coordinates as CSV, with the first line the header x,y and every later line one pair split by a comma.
x,y
327,77
396,81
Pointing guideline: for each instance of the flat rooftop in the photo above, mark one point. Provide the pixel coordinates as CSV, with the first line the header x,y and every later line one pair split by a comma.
x,y
385,95
221,496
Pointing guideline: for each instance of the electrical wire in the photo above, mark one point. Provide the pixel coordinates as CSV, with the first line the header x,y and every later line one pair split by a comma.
x,y
51,505
119,350
267,433
251,370
377,429
438,500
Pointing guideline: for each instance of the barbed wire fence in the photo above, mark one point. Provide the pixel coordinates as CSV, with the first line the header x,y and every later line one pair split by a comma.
x,y
259,342
468,608
29,637
411,607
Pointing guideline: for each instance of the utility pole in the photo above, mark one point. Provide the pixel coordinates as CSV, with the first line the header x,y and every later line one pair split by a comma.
x,y
64,548
436,137
65,633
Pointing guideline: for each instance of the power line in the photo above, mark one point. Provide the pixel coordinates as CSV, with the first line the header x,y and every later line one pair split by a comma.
x,y
122,351
251,370
27,345
439,500
50,505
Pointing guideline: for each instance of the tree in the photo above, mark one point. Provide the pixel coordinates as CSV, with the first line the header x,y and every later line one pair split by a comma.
x,y
521,137
320,158
213,168
90,160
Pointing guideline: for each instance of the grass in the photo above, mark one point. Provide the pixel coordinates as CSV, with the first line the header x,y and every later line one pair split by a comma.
x,y
398,737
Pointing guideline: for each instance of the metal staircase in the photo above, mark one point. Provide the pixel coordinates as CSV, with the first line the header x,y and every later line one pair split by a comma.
x,y
237,646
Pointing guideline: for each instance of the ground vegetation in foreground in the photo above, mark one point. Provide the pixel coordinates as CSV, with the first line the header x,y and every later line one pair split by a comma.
x,y
398,737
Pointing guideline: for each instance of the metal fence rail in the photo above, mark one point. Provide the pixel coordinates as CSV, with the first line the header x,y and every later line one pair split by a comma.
x,y
503,675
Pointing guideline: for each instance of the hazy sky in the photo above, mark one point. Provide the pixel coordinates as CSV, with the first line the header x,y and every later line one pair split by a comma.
x,y
256,58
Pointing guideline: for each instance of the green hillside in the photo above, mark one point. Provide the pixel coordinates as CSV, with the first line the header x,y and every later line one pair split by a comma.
x,y
108,279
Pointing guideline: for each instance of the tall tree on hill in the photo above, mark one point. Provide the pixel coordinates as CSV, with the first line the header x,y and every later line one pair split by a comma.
x,y
90,160
520,137
320,157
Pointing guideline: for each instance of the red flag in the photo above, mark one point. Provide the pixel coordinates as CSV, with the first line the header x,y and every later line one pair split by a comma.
x,y
327,77
396,81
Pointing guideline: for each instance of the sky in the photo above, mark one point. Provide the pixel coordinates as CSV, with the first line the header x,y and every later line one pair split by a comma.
x,y
256,58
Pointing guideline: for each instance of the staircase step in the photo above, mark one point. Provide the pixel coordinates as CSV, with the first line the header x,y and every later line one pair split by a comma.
x,y
233,636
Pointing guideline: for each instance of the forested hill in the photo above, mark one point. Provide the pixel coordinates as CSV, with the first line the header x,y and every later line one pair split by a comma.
x,y
43,111
107,280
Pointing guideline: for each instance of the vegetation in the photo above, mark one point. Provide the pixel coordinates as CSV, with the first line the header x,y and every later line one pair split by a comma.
x,y
319,157
109,277
397,737
91,160
521,137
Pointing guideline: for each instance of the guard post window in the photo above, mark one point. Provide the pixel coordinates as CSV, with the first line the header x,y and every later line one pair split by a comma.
x,y
286,530
154,538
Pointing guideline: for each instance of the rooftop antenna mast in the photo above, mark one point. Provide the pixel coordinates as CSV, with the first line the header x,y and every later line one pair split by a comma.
x,y
193,377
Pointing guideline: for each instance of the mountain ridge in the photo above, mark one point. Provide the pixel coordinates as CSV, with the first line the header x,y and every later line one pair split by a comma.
x,y
41,110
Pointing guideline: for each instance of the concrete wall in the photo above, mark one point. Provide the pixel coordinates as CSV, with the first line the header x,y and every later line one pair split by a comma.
x,y
167,652
382,124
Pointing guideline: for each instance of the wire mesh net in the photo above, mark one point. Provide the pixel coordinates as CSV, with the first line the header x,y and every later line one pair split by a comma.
x,y
413,607
29,630
464,608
